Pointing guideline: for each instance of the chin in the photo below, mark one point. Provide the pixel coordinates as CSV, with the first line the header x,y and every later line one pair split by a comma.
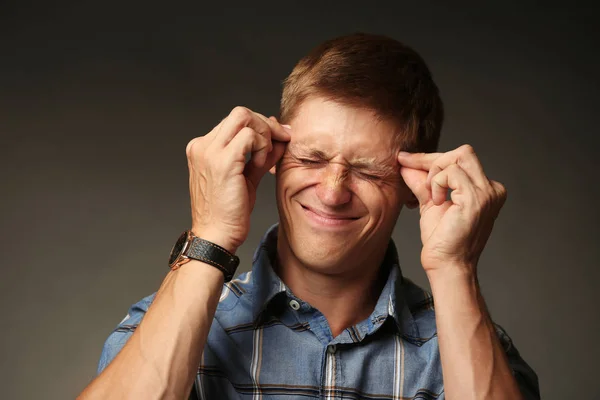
x,y
326,255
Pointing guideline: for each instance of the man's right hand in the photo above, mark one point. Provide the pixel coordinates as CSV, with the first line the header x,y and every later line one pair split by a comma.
x,y
160,359
222,185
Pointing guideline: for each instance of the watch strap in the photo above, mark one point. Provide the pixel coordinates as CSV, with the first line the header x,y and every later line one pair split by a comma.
x,y
213,254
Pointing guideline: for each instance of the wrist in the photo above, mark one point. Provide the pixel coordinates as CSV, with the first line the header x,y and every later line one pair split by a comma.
x,y
457,293
453,276
197,268
451,269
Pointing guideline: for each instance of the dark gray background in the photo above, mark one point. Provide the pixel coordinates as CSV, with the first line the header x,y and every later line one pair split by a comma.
x,y
99,99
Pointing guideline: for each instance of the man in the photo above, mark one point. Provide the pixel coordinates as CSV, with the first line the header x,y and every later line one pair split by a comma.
x,y
325,311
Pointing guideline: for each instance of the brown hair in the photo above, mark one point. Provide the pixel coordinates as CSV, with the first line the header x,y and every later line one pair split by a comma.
x,y
373,72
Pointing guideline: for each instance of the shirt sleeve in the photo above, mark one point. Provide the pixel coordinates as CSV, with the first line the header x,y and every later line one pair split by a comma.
x,y
119,336
526,377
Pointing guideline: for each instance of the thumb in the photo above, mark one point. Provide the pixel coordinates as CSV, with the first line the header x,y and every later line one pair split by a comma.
x,y
416,180
255,174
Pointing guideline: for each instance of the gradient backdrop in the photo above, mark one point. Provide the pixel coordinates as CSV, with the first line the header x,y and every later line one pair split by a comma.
x,y
99,99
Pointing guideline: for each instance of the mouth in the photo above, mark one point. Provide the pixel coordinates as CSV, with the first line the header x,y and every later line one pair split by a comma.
x,y
324,219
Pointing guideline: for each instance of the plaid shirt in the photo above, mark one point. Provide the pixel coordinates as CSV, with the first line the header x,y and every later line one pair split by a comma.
x,y
266,343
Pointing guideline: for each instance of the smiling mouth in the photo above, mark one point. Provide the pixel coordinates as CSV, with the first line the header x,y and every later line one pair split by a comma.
x,y
326,215
325,219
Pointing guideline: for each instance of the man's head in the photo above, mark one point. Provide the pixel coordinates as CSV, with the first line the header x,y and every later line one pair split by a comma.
x,y
353,103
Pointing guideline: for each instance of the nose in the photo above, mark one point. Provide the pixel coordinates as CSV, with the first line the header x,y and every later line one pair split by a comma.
x,y
332,190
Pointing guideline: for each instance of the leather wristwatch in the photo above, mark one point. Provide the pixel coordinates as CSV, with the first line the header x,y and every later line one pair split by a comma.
x,y
189,246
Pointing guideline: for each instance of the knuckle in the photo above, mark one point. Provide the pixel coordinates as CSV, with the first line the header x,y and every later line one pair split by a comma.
x,y
453,168
266,135
501,190
467,149
246,132
262,117
261,141
241,113
191,147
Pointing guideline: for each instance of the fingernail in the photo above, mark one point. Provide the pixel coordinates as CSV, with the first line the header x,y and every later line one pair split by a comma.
x,y
403,154
287,127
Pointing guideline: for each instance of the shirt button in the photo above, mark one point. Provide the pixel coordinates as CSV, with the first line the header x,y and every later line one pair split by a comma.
x,y
331,349
295,305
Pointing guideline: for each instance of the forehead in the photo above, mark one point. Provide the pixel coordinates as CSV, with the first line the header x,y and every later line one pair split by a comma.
x,y
336,129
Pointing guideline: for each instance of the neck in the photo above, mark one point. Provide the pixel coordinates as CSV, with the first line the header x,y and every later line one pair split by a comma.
x,y
345,299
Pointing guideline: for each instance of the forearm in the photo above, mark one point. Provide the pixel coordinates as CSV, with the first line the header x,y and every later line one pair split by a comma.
x,y
473,361
161,358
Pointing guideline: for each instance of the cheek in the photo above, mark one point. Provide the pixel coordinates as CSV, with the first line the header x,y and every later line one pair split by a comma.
x,y
379,198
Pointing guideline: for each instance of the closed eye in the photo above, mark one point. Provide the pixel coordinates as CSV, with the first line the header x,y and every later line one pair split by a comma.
x,y
309,161
368,176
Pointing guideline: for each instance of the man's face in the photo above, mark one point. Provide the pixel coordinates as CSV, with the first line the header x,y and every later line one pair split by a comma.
x,y
339,189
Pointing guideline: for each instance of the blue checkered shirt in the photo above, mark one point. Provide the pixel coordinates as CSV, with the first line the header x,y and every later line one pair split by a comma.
x,y
266,343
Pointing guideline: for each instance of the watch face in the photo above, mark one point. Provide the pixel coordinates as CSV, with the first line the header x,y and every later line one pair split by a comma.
x,y
176,251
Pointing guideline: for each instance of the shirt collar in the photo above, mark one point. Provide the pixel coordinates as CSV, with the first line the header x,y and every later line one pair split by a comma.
x,y
265,282
267,285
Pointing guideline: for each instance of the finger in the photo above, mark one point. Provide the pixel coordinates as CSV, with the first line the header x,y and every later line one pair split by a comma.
x,y
288,128
422,161
415,180
465,157
249,141
455,178
255,173
272,169
279,132
239,118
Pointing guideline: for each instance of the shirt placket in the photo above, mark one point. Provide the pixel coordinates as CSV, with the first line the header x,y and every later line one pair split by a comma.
x,y
330,382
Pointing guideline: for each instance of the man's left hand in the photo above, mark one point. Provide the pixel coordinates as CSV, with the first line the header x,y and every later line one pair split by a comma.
x,y
454,232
